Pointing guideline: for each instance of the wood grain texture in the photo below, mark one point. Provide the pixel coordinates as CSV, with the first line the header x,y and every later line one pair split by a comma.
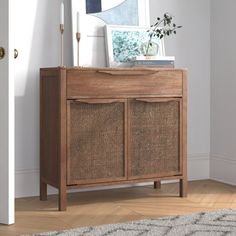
x,y
87,120
62,149
128,83
121,182
49,127
53,132
183,182
118,205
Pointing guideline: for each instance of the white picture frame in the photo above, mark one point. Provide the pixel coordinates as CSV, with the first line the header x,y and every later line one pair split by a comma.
x,y
124,43
93,28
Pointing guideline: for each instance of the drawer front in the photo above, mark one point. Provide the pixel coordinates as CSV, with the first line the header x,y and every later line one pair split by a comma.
x,y
95,141
127,83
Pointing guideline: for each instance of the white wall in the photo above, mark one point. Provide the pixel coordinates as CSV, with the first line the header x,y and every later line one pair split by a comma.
x,y
223,87
191,48
38,42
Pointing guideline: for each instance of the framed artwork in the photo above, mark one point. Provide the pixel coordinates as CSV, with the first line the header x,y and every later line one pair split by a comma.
x,y
95,14
124,43
96,6
117,12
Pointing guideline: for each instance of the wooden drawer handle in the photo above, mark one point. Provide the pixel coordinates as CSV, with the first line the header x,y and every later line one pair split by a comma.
x,y
128,72
98,101
157,99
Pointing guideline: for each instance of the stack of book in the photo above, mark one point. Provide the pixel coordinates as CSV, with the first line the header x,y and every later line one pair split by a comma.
x,y
154,61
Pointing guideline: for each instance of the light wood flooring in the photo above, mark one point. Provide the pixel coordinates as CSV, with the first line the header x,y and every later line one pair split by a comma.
x,y
118,205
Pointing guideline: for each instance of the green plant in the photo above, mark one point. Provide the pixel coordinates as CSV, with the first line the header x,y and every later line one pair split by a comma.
x,y
163,27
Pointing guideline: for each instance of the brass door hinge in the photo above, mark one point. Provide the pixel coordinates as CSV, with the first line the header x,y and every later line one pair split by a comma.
x,y
2,53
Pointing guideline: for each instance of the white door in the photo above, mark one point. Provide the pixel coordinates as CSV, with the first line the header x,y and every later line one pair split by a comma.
x,y
7,175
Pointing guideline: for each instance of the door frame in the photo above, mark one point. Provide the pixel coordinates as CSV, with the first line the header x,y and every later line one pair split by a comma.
x,y
7,116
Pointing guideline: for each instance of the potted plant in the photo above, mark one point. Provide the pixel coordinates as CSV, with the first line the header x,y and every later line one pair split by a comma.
x,y
162,27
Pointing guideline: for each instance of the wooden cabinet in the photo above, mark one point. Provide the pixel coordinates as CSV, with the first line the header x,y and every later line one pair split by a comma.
x,y
103,126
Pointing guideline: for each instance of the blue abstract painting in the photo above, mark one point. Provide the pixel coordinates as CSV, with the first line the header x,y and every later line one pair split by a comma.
x,y
93,6
124,14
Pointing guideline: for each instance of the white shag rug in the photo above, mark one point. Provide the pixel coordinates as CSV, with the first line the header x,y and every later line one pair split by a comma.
x,y
218,223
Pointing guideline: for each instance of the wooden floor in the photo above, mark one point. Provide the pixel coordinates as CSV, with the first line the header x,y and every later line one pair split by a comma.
x,y
118,205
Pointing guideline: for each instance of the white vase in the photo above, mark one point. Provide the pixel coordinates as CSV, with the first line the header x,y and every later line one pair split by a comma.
x,y
149,48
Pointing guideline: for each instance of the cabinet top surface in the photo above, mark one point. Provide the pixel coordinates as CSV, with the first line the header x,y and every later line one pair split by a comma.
x,y
113,69
90,82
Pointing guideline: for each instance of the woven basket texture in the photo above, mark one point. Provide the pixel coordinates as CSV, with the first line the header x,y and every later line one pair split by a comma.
x,y
154,137
97,141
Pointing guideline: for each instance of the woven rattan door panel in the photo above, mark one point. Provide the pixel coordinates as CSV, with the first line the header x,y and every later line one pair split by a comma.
x,y
96,141
155,132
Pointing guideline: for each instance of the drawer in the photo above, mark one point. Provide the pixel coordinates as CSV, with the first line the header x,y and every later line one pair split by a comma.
x,y
123,82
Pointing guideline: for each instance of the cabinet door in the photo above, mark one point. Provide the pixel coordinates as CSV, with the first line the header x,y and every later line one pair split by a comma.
x,y
155,137
96,140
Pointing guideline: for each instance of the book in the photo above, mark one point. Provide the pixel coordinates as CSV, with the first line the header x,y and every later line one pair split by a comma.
x,y
154,61
154,58
166,62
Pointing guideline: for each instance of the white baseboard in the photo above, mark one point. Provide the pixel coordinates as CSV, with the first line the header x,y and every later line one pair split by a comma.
x,y
222,168
27,181
198,166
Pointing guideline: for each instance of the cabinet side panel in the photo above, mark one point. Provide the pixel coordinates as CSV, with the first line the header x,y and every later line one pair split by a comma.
x,y
49,128
183,182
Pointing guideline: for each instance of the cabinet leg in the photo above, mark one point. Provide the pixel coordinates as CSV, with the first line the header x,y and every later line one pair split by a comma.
x,y
157,184
183,187
43,191
62,199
